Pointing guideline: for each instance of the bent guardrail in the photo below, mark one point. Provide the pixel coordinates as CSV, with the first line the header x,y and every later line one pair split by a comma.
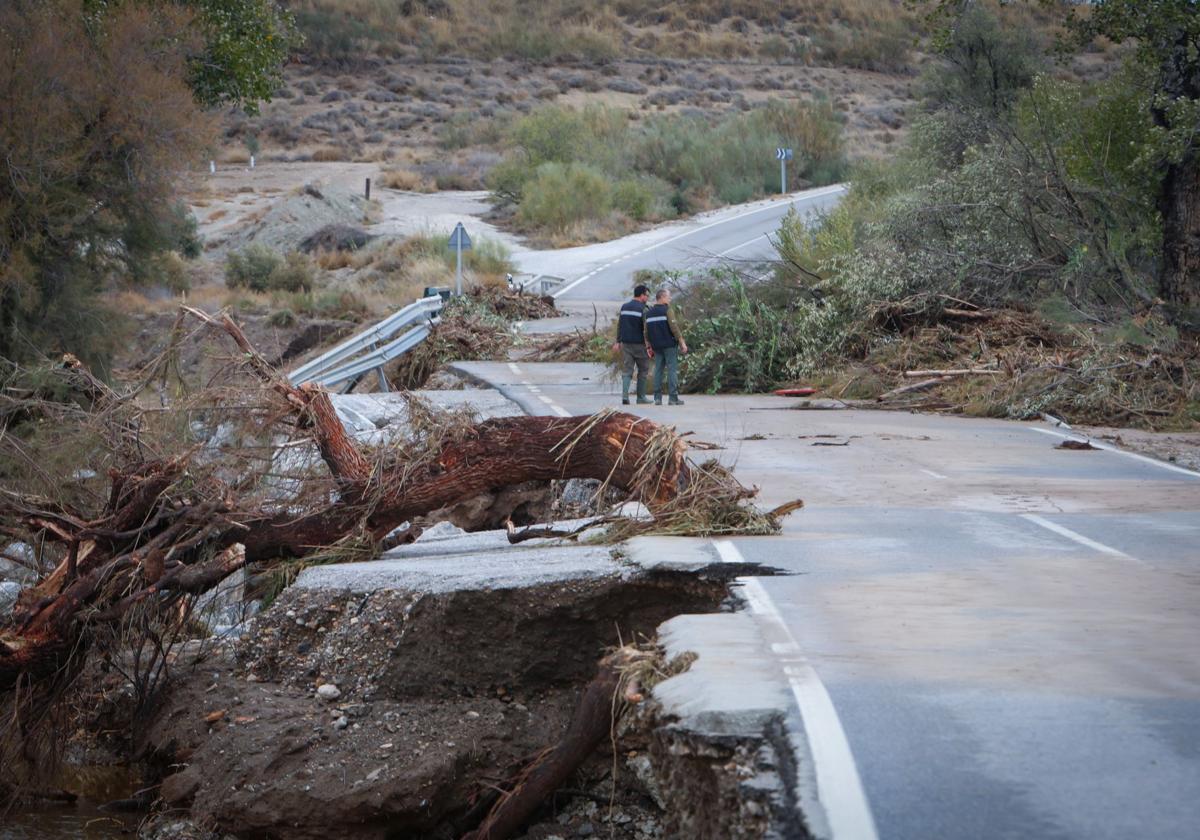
x,y
371,348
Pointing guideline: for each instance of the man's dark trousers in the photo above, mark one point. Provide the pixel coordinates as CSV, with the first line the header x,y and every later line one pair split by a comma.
x,y
666,358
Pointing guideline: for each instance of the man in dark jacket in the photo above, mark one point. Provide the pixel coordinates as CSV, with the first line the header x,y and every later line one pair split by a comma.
x,y
666,343
631,343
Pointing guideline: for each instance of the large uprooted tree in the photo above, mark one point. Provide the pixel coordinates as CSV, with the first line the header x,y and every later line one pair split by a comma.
x,y
150,505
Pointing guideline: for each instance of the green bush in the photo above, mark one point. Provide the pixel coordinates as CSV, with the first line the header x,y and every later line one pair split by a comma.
x,y
653,168
257,268
562,194
294,274
251,268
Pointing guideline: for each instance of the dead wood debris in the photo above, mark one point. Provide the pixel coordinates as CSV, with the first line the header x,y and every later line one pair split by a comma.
x,y
174,516
1080,445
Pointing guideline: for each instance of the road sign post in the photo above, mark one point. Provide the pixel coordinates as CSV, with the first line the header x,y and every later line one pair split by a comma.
x,y
460,242
783,156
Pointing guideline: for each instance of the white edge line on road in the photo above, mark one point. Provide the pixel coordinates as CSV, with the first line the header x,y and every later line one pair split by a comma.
x,y
560,411
774,206
1107,448
932,473
1079,538
743,245
839,787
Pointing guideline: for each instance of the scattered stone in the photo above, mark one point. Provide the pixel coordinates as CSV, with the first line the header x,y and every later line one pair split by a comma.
x,y
341,723
329,692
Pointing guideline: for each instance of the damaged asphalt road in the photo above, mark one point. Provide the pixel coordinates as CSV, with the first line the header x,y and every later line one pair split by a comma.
x,y
983,636
374,698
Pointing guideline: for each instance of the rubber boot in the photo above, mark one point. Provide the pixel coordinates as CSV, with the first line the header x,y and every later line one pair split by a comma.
x,y
641,393
625,380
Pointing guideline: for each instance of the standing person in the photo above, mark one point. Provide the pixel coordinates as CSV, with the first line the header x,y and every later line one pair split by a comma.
x,y
631,342
666,343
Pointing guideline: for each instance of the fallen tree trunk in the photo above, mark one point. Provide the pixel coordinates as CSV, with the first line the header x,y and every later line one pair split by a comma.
x,y
166,533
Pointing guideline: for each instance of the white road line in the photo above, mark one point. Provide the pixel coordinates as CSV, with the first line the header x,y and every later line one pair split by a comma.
x,y
512,366
545,399
560,411
839,787
1107,448
932,473
740,247
1079,538
775,206
533,389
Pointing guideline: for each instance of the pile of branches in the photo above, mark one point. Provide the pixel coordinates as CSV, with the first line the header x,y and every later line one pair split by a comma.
x,y
157,504
469,330
1012,363
575,346
513,304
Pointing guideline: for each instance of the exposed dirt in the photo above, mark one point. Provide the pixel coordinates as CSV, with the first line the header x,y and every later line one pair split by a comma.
x,y
1181,448
438,697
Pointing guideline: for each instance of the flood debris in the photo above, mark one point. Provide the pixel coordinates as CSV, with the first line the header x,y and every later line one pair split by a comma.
x,y
1079,445
261,479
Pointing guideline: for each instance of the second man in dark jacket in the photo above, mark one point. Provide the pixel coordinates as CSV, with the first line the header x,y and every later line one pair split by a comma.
x,y
665,340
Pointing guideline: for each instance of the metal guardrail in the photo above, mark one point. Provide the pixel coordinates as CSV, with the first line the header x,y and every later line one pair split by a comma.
x,y
341,365
537,284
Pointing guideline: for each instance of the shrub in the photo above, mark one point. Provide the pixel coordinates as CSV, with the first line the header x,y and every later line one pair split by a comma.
x,y
405,179
257,268
293,274
251,268
561,194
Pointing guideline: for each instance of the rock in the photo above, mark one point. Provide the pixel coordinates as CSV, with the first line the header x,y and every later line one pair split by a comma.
x,y
441,531
341,723
329,692
585,830
9,590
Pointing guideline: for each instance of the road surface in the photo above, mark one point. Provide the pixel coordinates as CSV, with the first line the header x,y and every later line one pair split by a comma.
x,y
602,273
985,636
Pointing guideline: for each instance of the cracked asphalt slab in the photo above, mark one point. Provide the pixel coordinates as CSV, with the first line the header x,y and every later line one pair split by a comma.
x,y
983,636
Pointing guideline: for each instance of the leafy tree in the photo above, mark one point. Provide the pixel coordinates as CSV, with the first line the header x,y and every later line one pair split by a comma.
x,y
1166,38
246,43
241,49
96,118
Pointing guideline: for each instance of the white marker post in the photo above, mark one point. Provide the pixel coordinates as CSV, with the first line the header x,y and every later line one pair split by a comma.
x,y
783,156
460,242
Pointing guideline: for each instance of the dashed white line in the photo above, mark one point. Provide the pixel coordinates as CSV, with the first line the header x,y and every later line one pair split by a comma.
x,y
560,411
513,367
545,399
1079,538
1107,448
932,473
839,786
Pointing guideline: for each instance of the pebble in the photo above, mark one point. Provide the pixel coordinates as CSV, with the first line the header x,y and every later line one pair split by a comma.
x,y
472,714
329,691
585,830
341,723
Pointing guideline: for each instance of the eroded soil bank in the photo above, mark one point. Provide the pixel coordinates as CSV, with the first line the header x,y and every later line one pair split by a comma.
x,y
401,714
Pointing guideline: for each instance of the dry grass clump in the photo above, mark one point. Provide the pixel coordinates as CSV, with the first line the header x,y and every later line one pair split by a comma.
x,y
590,30
406,180
511,305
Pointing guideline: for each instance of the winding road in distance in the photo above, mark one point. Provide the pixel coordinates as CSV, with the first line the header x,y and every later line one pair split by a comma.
x,y
602,272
